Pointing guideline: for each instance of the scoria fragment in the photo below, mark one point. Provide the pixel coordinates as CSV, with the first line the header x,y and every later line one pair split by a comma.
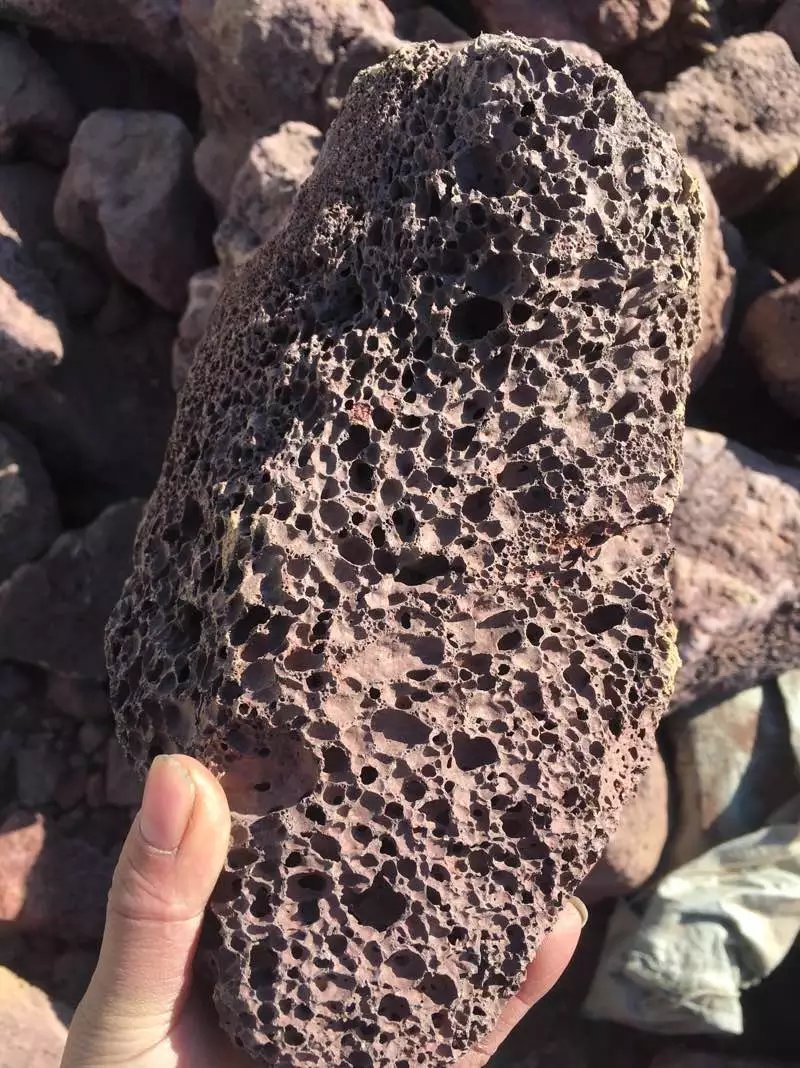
x,y
403,580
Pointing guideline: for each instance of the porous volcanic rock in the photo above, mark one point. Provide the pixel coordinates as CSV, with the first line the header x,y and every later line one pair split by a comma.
x,y
129,197
51,883
30,315
717,285
151,27
36,116
403,581
28,512
52,612
786,22
736,573
261,63
738,115
204,291
771,335
607,25
264,190
635,848
33,1029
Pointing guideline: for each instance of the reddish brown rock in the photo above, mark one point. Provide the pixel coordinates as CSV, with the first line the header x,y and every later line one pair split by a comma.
x,y
771,336
403,582
204,291
52,612
786,22
30,315
152,27
36,116
128,196
607,25
736,573
717,286
635,848
264,190
738,115
33,1029
261,63
50,883
28,513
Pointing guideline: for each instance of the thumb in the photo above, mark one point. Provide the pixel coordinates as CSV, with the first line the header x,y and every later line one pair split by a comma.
x,y
169,864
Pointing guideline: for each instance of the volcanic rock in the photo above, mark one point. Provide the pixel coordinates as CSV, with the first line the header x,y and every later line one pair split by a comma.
x,y
264,190
101,419
28,514
52,612
30,315
32,1028
50,883
717,286
607,25
204,291
635,848
733,766
771,335
36,117
129,197
261,63
151,27
738,115
403,581
736,573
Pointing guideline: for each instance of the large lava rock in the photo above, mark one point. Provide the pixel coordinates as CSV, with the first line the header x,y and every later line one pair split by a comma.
x,y
403,582
736,573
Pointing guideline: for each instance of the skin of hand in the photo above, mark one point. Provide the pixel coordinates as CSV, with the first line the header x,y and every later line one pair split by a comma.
x,y
143,1007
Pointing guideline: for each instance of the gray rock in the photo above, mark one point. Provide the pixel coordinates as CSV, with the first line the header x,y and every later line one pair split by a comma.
x,y
29,519
36,117
53,612
128,197
771,335
204,291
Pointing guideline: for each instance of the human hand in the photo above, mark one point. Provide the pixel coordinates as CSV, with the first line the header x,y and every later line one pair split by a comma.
x,y
142,1007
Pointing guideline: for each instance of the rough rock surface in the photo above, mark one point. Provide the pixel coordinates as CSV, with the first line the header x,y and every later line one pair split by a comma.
x,y
53,612
152,27
27,192
738,114
264,190
50,882
717,285
771,335
28,512
129,196
635,848
736,573
261,63
30,315
786,22
403,581
102,418
204,291
733,767
36,116
33,1029
607,25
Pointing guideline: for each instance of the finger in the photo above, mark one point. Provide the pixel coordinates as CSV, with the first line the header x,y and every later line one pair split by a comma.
x,y
543,972
169,864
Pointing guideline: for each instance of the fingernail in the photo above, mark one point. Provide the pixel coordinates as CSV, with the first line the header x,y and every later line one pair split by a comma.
x,y
581,909
167,804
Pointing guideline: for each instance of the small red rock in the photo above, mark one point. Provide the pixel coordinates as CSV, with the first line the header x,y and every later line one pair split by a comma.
x,y
32,1029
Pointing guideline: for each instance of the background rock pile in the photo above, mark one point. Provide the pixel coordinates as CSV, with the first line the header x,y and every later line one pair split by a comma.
x,y
147,149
